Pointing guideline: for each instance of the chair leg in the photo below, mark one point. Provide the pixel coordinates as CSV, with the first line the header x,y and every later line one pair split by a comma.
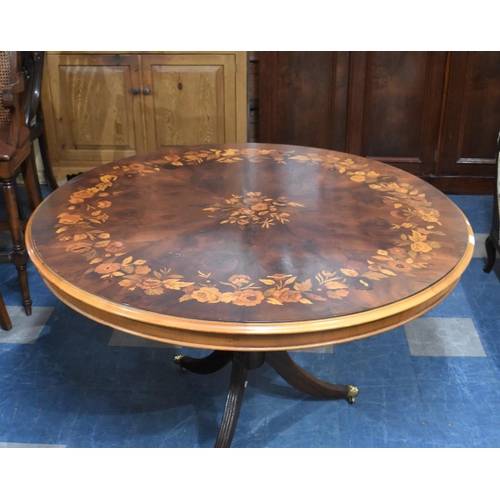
x,y
5,322
18,255
491,253
31,182
44,152
20,208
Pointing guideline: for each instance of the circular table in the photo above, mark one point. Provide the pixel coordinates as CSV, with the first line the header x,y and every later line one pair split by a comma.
x,y
250,250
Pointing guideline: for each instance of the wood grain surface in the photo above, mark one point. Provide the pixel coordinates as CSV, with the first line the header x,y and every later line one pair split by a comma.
x,y
249,240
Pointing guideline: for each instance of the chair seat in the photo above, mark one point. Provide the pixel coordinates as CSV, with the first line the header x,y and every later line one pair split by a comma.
x,y
7,152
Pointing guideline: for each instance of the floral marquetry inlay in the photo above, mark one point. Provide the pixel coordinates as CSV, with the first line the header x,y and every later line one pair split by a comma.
x,y
410,237
82,227
254,209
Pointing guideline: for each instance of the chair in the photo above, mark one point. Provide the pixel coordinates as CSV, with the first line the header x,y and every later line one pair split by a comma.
x,y
15,159
5,322
32,65
493,240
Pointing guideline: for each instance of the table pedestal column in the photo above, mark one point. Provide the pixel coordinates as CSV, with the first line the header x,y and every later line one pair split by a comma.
x,y
244,361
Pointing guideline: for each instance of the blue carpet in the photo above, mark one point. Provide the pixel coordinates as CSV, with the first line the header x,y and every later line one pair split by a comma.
x,y
69,387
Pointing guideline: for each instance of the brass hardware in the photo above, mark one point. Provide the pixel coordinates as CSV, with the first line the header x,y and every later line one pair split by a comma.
x,y
352,392
178,358
135,91
146,91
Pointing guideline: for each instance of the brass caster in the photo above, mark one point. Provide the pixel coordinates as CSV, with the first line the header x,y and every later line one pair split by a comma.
x,y
352,392
178,359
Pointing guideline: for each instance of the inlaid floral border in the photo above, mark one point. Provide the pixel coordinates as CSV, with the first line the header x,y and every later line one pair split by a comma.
x,y
83,225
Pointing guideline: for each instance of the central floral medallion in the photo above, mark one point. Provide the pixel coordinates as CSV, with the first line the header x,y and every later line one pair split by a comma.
x,y
254,209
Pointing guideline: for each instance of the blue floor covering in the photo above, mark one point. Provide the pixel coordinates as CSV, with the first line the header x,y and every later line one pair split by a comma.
x,y
71,388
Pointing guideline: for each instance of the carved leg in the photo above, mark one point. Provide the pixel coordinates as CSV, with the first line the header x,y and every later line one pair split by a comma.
x,y
5,322
292,373
31,181
491,253
233,402
19,257
44,152
209,364
244,361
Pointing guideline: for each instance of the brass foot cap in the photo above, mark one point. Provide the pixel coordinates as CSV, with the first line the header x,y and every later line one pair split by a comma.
x,y
352,392
178,358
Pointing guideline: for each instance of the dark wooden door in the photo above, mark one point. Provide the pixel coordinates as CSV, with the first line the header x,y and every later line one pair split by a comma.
x,y
395,101
303,98
471,122
383,105
434,114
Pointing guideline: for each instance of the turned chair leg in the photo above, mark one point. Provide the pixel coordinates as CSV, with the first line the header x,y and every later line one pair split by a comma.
x,y
44,152
5,322
491,253
31,181
18,255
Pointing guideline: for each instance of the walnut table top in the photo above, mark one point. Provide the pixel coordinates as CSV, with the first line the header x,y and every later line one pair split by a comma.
x,y
249,246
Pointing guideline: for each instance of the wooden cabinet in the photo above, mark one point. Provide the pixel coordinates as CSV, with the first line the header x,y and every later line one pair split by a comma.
x,y
100,107
434,114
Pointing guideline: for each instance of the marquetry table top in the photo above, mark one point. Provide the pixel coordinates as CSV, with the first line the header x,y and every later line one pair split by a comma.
x,y
249,240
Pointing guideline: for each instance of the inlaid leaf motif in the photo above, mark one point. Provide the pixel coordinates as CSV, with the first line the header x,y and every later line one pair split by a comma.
x,y
305,286
373,275
349,272
385,271
275,302
267,282
335,285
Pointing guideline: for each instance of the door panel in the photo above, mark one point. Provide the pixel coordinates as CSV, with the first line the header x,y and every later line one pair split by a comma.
x,y
395,103
93,107
472,119
303,98
192,99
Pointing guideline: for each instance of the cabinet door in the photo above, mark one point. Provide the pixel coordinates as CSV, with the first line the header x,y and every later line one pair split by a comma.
x,y
395,102
93,113
192,99
472,119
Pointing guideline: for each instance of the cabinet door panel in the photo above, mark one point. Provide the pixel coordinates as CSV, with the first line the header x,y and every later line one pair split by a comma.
x,y
472,119
93,109
395,107
192,99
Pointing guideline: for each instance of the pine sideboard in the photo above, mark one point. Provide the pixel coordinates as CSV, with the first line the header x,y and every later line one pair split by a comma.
x,y
102,106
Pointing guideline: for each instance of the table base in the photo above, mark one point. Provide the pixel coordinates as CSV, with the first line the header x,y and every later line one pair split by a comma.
x,y
281,361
